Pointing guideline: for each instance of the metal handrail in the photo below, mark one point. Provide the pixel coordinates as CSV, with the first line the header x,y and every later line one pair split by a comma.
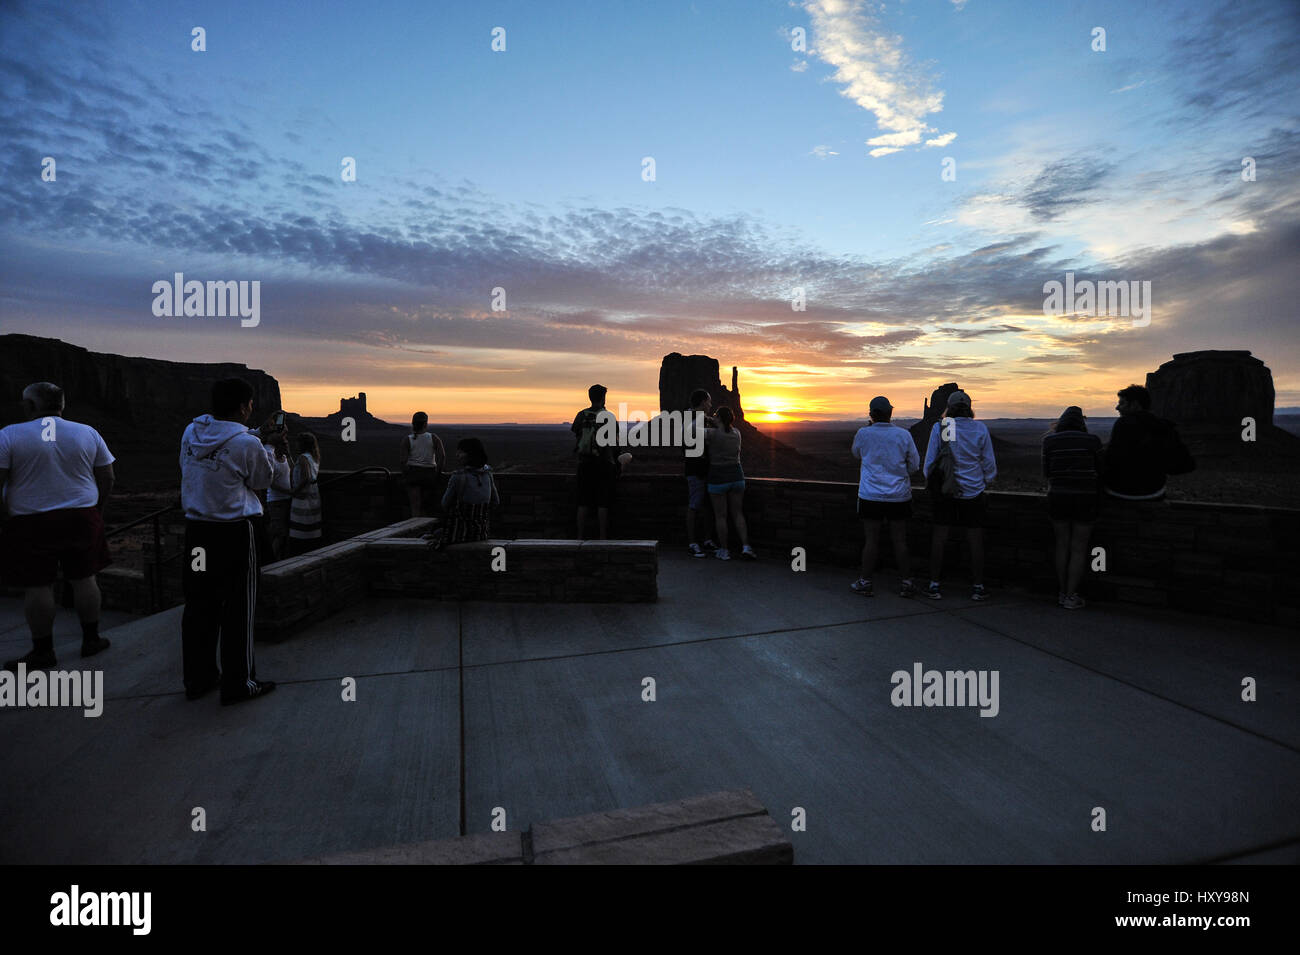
x,y
369,469
152,515
155,585
155,582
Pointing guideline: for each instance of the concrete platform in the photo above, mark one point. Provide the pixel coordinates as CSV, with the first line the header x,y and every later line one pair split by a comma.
x,y
765,679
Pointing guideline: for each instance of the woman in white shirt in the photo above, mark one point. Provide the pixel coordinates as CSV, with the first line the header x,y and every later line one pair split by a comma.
x,y
422,456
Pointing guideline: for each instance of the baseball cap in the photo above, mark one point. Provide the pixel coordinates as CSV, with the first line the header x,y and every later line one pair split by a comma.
x,y
958,398
881,403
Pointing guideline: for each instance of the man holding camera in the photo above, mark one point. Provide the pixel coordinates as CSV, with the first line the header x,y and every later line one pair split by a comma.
x,y
223,466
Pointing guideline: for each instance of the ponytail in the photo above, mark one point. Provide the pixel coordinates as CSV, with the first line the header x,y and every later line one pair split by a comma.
x,y
726,417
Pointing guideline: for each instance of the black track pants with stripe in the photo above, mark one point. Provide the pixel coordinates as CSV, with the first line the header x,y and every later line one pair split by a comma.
x,y
220,600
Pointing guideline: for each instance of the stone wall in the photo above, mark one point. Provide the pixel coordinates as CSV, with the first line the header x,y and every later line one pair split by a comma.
x,y
1229,560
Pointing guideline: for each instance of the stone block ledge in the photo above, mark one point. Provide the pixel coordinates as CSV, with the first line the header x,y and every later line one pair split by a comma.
x,y
722,828
301,590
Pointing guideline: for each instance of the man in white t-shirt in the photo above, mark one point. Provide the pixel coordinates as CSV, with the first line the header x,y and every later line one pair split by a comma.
x,y
56,476
889,456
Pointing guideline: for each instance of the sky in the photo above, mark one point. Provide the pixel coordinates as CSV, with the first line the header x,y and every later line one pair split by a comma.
x,y
844,199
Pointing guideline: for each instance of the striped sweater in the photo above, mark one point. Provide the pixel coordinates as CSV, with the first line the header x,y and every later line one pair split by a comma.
x,y
1072,462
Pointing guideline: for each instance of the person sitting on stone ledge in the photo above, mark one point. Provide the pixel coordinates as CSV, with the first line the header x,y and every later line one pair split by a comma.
x,y
471,493
1143,450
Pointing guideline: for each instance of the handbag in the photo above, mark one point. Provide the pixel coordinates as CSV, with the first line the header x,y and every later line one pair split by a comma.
x,y
943,475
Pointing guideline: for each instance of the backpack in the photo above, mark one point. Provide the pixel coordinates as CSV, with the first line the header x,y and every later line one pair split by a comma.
x,y
588,426
943,475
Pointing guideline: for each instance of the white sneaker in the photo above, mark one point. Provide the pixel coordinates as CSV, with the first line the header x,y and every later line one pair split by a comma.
x,y
748,553
722,554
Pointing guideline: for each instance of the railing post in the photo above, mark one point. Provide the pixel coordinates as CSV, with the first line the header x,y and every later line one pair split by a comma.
x,y
156,588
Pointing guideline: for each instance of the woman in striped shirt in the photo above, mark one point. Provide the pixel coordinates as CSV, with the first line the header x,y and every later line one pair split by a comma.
x,y
1072,466
304,513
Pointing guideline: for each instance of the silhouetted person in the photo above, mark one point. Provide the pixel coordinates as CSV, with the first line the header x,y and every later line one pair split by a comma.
x,y
422,458
305,511
1143,450
1072,466
279,498
223,466
56,477
599,463
471,493
959,499
889,456
697,472
727,483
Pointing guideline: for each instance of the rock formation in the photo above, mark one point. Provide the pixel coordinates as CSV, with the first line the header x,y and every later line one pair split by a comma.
x,y
1208,393
354,408
1212,388
931,411
679,375
124,398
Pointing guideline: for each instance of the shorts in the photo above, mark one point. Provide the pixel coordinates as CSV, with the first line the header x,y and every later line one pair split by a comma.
x,y
421,477
1072,507
34,546
696,491
884,510
596,478
724,488
959,511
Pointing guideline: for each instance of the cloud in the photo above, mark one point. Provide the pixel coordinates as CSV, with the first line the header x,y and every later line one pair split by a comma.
x,y
874,72
823,152
409,270
799,66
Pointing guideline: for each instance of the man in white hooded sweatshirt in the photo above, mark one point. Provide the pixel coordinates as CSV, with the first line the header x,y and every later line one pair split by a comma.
x,y
223,465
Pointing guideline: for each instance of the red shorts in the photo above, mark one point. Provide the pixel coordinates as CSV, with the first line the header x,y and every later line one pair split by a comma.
x,y
33,546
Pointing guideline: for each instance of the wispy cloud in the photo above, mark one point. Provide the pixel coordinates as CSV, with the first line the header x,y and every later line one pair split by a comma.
x,y
876,73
